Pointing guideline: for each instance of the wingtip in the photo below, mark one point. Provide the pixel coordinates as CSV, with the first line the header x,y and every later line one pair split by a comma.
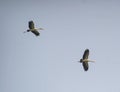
x,y
86,49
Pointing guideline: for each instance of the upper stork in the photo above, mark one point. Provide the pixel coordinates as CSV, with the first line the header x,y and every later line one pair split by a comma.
x,y
33,29
85,60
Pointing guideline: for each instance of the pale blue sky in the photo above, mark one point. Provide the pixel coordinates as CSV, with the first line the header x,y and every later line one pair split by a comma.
x,y
48,63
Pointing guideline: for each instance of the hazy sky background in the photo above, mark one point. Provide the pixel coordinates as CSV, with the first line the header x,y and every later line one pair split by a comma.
x,y
48,63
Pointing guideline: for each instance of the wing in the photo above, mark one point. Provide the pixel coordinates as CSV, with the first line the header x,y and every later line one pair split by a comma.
x,y
86,53
85,66
36,33
31,25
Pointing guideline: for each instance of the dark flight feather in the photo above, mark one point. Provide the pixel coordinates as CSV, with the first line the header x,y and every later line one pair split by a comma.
x,y
86,54
85,66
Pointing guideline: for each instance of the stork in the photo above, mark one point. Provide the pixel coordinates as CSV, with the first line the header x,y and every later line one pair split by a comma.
x,y
33,29
85,60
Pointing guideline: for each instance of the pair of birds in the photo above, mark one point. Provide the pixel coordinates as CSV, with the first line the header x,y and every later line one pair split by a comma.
x,y
84,59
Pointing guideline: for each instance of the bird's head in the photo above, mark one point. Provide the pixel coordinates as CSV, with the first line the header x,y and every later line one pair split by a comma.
x,y
81,60
28,30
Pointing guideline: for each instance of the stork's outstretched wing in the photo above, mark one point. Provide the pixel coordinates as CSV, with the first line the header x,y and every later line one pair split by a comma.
x,y
85,65
31,25
86,54
36,32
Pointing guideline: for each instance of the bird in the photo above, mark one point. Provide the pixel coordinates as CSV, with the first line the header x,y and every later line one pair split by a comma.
x,y
85,60
33,29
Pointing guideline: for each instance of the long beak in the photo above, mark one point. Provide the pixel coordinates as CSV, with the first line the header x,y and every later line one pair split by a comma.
x,y
25,32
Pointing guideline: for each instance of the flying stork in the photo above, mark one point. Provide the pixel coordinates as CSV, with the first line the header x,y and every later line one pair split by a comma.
x,y
85,60
33,29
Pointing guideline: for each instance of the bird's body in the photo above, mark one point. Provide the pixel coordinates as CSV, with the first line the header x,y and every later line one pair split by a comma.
x,y
33,29
85,60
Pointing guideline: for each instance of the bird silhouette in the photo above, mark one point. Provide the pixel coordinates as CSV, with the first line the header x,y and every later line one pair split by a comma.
x,y
33,29
85,60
